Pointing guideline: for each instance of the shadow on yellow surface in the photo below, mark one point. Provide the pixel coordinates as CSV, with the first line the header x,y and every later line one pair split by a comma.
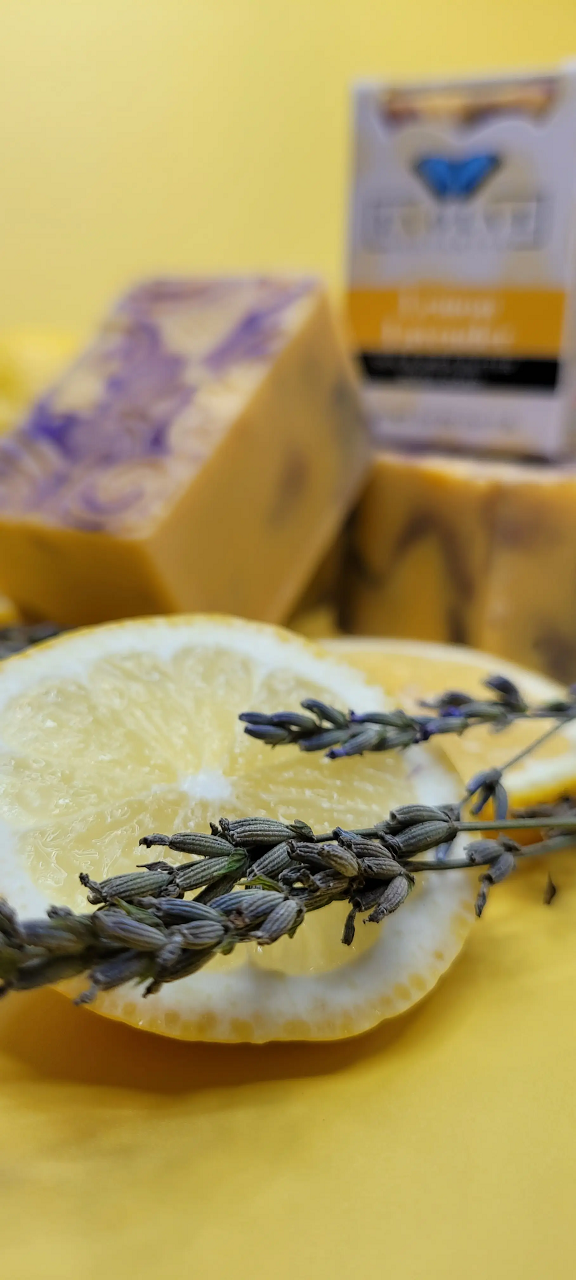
x,y
49,1037
440,1146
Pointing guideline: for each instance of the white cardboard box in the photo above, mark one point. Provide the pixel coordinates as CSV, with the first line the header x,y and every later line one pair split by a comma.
x,y
461,262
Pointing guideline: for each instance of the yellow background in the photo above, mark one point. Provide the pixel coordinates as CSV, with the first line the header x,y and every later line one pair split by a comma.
x,y
143,135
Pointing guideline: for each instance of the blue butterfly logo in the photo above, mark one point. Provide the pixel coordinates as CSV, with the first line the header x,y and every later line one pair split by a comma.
x,y
456,179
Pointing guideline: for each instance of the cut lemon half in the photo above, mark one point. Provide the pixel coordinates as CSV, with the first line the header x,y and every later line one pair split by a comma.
x,y
412,670
115,732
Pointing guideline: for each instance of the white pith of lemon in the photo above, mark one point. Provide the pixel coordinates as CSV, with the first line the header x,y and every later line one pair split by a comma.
x,y
414,669
114,732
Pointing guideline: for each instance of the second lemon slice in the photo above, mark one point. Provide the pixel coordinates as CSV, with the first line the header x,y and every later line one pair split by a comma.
x,y
411,670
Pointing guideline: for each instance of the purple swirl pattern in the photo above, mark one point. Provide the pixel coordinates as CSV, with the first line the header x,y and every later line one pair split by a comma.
x,y
137,414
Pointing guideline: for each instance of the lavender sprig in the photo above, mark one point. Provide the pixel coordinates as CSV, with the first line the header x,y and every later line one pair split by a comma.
x,y
325,728
254,880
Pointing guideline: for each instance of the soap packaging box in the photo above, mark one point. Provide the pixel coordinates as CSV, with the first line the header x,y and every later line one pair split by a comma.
x,y
461,262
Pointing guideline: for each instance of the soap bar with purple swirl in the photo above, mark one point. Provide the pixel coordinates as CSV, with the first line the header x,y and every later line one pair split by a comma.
x,y
200,454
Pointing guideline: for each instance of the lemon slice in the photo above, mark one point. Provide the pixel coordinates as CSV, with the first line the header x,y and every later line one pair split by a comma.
x,y
114,732
410,670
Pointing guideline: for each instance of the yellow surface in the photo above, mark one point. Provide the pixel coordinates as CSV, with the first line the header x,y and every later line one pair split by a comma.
x,y
439,1147
392,1149
188,134
471,552
253,521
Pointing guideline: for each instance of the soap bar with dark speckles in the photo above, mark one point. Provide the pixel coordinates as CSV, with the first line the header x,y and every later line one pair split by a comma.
x,y
481,553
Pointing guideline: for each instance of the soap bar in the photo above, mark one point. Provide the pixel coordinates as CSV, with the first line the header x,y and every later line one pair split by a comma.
x,y
316,613
479,553
201,454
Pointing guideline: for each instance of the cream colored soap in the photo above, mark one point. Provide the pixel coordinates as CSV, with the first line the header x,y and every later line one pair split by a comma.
x,y
480,553
201,454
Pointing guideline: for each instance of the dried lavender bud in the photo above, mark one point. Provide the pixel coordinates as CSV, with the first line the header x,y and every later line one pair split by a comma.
x,y
381,868
137,911
422,836
42,973
170,953
338,886
272,734
550,891
207,870
302,829
371,739
186,963
489,711
390,719
132,885
487,778
360,847
255,906
285,918
126,967
501,868
321,709
482,897
224,885
273,862
498,871
488,786
393,896
9,925
452,698
366,897
500,802
340,859
80,925
322,740
509,694
201,933
191,842
291,720
118,927
52,937
255,831
174,911
481,852
308,854
312,899
349,928
15,639
407,815
10,959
